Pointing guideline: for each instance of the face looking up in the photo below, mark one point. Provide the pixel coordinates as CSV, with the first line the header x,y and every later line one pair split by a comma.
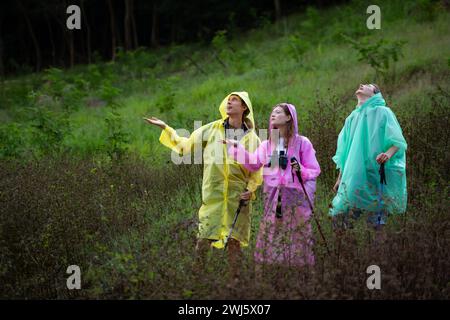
x,y
278,117
366,90
235,106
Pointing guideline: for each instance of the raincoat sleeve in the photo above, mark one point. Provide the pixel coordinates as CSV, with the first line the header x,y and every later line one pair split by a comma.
x,y
254,182
393,135
340,156
181,145
309,166
252,161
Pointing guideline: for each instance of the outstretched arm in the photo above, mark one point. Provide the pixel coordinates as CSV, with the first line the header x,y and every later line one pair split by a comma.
x,y
156,122
169,137
252,161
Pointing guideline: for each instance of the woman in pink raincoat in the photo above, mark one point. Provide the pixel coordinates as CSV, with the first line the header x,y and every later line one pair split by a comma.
x,y
285,234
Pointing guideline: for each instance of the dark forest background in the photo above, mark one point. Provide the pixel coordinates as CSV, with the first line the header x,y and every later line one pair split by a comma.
x,y
33,34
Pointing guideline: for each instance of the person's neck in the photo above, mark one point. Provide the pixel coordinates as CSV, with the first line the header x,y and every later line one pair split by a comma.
x,y
235,121
361,100
282,134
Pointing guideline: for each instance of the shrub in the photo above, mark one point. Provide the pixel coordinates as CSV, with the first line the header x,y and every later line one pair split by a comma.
x,y
378,54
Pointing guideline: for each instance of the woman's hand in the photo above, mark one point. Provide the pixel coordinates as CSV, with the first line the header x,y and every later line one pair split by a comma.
x,y
295,167
385,156
382,157
156,122
230,142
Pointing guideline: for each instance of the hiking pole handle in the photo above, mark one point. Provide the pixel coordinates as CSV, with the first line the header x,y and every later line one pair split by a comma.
x,y
299,177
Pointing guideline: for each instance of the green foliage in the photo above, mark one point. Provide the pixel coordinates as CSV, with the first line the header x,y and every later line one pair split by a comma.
x,y
93,76
221,51
243,60
236,58
312,22
264,21
296,47
50,129
135,64
69,90
424,10
345,21
62,90
219,40
55,83
165,99
118,138
11,142
378,54
109,93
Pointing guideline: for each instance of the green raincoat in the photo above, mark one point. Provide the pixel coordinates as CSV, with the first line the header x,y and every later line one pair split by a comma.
x,y
223,178
371,129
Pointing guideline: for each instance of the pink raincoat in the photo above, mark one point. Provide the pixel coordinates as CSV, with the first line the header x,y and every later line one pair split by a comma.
x,y
286,240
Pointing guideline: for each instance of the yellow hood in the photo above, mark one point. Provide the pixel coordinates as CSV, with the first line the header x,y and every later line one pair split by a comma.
x,y
244,96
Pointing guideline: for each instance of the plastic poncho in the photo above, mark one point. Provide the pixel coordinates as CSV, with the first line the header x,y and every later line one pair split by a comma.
x,y
371,129
286,240
223,178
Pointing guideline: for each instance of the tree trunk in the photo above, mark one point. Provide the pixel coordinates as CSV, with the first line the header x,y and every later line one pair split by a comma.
x,y
113,30
52,42
32,35
155,38
71,48
127,25
88,32
63,50
68,41
174,30
277,9
2,67
133,24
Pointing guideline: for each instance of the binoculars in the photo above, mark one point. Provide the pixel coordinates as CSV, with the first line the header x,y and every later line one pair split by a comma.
x,y
282,160
283,164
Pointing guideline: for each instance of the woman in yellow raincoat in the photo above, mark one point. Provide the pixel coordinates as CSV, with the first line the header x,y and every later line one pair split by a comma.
x,y
225,182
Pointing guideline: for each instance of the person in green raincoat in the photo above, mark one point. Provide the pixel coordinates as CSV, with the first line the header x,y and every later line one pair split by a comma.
x,y
370,139
225,181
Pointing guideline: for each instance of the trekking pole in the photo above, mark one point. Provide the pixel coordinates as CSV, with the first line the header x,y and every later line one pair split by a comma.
x,y
293,160
380,195
382,175
242,203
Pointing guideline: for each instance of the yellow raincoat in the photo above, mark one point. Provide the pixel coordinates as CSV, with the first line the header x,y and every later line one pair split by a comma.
x,y
223,178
